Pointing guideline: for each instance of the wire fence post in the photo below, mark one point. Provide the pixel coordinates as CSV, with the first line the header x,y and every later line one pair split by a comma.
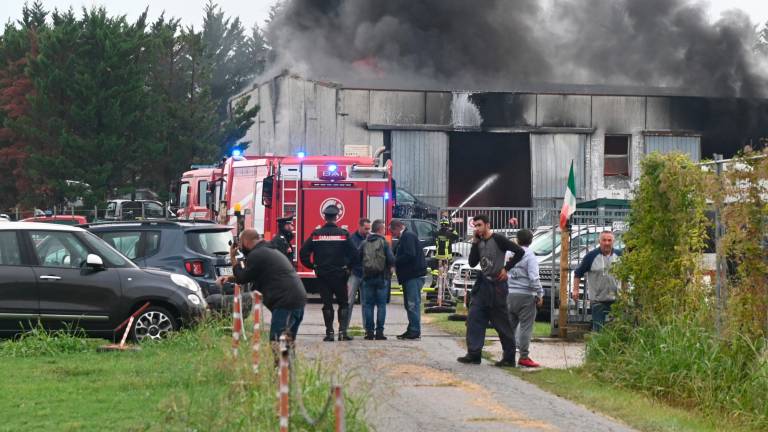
x,y
284,385
256,330
237,321
340,425
719,270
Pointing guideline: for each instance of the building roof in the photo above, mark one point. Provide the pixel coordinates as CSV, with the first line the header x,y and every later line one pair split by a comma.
x,y
512,87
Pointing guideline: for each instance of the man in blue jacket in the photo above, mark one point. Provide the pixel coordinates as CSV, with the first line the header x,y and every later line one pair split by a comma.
x,y
602,285
410,267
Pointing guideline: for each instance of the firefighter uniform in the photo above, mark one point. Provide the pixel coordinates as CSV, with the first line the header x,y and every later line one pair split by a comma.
x,y
330,253
444,240
282,240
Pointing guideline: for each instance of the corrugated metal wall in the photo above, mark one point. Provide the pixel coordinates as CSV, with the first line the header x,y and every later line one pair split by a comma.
x,y
420,164
551,156
690,145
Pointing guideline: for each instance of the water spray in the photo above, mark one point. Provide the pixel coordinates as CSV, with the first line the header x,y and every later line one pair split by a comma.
x,y
489,181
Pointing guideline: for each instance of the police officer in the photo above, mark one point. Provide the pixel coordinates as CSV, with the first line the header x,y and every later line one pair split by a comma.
x,y
282,240
330,252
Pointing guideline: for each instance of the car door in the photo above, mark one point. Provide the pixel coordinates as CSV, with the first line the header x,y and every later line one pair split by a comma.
x,y
72,295
19,304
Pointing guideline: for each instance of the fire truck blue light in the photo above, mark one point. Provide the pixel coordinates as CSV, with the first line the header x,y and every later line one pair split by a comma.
x,y
386,195
332,167
237,152
301,154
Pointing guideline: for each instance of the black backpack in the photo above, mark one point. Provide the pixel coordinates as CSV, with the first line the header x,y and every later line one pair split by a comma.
x,y
374,257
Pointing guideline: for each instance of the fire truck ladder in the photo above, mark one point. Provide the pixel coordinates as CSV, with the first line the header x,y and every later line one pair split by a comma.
x,y
286,181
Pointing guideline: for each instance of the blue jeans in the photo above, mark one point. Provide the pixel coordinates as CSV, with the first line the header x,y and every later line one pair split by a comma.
x,y
412,299
285,318
375,294
600,311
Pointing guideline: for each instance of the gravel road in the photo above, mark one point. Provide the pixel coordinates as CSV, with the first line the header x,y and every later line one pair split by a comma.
x,y
418,385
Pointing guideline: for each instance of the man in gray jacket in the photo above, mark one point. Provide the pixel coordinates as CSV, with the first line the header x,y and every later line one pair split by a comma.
x,y
525,294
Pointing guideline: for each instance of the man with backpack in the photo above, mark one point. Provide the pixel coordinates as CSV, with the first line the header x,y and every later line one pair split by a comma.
x,y
377,259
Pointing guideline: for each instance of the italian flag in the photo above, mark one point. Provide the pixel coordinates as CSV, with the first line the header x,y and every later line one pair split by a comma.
x,y
569,201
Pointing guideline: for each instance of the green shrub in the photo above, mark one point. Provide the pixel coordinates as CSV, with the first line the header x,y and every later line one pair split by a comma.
x,y
41,342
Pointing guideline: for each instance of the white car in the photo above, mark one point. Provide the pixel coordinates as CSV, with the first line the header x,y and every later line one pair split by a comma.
x,y
4,218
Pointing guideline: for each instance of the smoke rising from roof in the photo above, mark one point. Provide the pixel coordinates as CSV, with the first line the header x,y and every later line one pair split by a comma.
x,y
496,44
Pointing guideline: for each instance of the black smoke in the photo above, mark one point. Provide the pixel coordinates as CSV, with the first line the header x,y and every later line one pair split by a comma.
x,y
497,44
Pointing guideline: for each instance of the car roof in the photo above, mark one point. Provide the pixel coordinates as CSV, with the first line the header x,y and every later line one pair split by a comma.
x,y
38,226
154,223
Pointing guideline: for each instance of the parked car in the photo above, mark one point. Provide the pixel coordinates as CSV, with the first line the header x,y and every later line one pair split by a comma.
x,y
67,278
120,209
192,248
59,219
408,206
4,218
425,230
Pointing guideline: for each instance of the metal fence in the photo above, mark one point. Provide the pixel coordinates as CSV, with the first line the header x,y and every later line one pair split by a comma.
x,y
585,229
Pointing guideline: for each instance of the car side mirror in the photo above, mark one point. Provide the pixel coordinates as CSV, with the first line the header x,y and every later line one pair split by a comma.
x,y
94,262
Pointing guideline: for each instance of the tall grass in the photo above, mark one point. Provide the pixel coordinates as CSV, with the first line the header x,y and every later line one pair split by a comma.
x,y
684,362
203,388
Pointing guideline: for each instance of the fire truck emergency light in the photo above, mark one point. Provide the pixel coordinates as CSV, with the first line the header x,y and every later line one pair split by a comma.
x,y
237,152
332,167
386,196
301,155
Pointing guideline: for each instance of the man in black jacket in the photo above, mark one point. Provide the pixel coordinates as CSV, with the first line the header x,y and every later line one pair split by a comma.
x,y
273,275
330,253
489,295
410,267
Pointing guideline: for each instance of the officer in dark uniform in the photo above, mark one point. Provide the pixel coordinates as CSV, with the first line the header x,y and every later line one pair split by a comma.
x,y
282,240
330,252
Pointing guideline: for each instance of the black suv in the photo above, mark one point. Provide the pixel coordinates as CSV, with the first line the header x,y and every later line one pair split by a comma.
x,y
195,248
66,278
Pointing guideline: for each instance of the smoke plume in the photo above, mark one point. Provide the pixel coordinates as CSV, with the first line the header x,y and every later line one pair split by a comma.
x,y
496,44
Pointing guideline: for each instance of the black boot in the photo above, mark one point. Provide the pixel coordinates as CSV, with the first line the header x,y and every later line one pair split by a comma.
x,y
328,318
343,312
469,359
368,335
380,335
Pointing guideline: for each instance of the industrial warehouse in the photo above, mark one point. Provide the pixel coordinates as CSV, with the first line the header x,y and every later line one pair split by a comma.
x,y
529,135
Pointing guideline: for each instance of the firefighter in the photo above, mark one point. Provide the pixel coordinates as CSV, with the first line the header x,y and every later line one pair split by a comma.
x,y
330,253
444,240
282,240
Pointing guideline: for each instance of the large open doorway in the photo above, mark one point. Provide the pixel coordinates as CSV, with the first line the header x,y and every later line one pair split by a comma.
x,y
475,156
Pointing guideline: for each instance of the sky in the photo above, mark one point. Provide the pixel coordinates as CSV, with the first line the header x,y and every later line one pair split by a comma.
x,y
256,11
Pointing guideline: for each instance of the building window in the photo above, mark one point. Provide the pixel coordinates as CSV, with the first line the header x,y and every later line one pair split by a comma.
x,y
616,155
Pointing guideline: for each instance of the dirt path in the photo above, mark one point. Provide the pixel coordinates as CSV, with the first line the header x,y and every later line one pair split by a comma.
x,y
418,385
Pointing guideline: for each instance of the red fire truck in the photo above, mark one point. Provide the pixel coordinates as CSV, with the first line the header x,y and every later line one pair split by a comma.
x,y
269,187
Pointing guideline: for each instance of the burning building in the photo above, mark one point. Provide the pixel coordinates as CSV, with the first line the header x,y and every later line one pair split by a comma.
x,y
444,143
441,85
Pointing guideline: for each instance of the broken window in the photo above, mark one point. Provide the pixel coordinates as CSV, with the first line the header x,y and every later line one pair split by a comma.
x,y
616,155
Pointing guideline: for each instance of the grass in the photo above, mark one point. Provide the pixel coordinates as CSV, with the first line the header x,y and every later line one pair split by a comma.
x,y
631,407
188,382
458,328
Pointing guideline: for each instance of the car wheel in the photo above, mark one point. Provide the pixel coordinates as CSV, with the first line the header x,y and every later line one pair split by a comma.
x,y
154,323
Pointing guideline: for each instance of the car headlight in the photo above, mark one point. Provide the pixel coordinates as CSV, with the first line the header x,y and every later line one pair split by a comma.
x,y
186,282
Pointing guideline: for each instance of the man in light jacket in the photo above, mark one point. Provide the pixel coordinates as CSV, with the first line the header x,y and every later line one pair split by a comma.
x,y
525,294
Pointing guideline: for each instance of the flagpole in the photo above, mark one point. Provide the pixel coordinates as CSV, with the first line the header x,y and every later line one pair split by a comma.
x,y
565,240
569,207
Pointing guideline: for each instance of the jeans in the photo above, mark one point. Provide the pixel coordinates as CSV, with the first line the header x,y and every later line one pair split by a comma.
x,y
600,311
353,287
375,294
285,318
412,299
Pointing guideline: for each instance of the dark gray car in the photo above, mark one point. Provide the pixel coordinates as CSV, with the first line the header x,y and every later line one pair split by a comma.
x,y
66,278
192,248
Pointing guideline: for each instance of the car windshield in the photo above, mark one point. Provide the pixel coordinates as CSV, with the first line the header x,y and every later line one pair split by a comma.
x,y
542,244
209,242
404,197
111,256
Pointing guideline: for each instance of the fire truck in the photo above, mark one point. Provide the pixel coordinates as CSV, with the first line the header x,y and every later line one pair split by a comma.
x,y
266,188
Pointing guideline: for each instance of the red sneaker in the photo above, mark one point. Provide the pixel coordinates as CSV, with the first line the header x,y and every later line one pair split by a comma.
x,y
526,362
